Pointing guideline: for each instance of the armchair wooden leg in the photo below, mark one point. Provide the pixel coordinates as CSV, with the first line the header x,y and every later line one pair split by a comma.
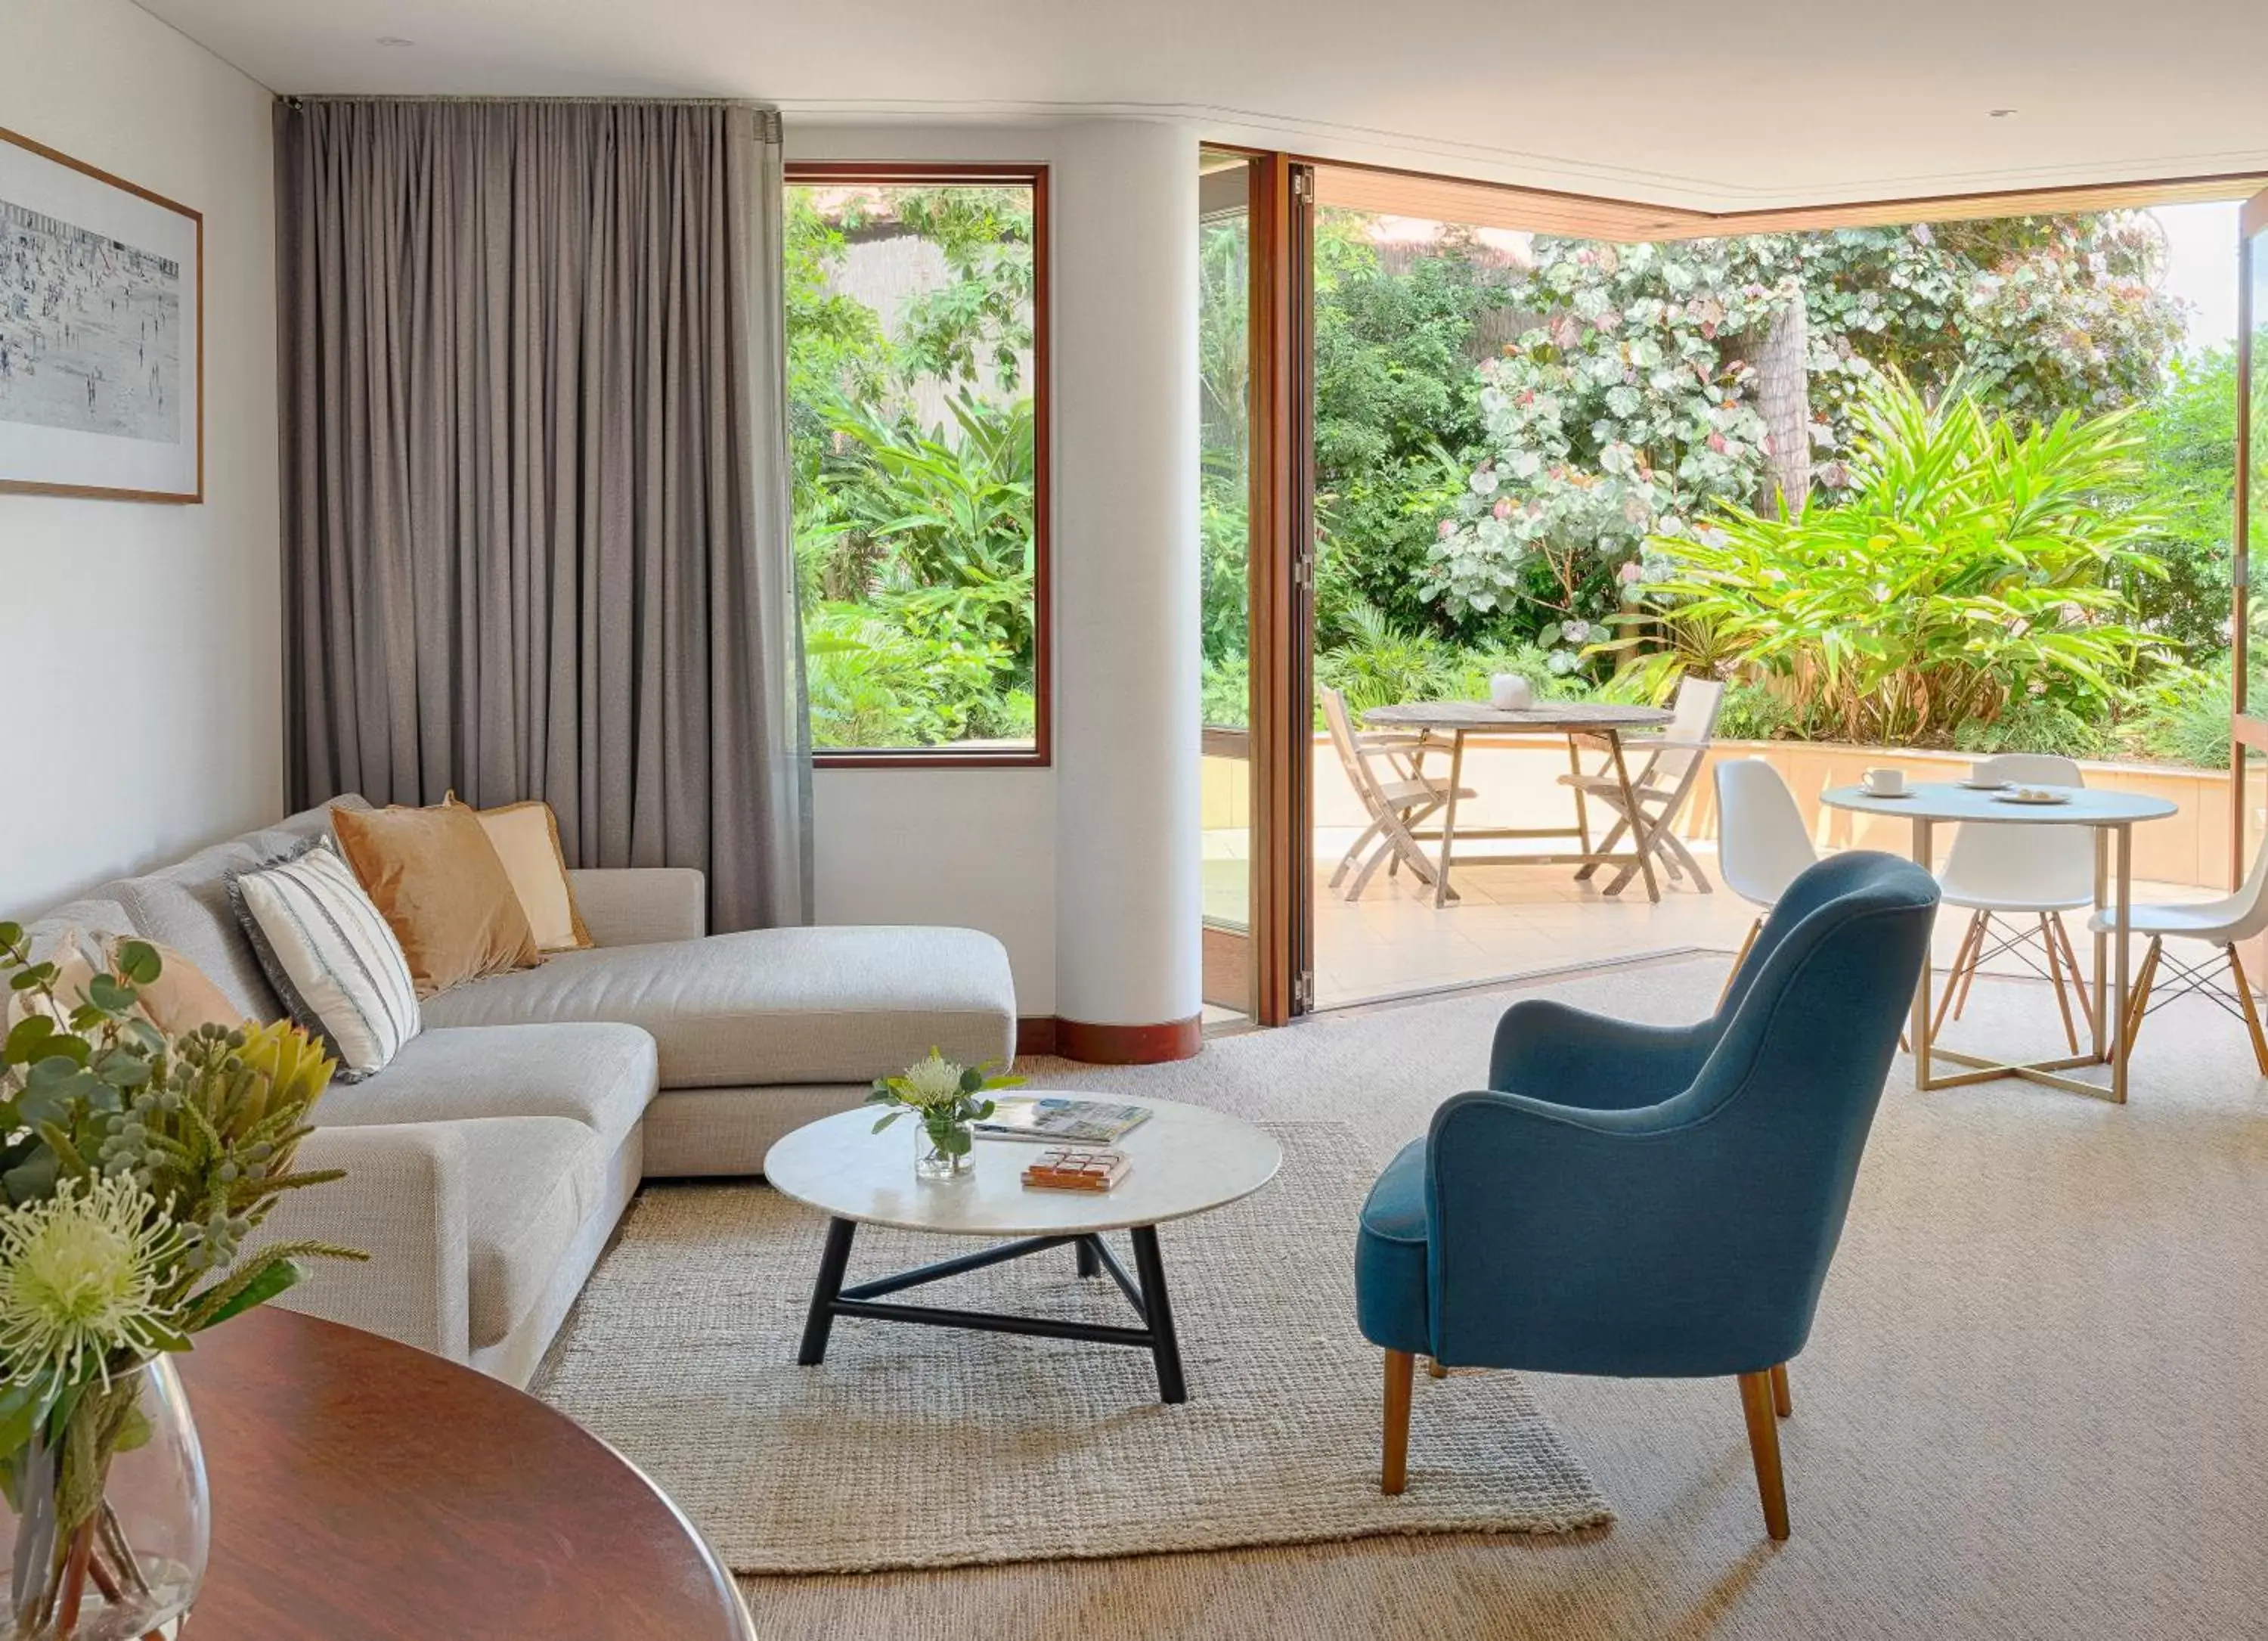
x,y
1394,1473
1782,1403
1763,1448
1434,1370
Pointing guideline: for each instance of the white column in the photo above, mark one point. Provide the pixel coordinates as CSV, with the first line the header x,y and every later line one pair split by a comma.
x,y
1125,564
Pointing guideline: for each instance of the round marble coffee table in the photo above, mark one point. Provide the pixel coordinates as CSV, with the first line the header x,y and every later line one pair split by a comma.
x,y
1186,1160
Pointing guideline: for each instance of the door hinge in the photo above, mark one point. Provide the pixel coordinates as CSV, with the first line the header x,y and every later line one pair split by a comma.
x,y
1303,991
1303,571
1303,183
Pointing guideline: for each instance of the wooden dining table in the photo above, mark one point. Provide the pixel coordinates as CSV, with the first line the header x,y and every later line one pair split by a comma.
x,y
1452,722
363,1490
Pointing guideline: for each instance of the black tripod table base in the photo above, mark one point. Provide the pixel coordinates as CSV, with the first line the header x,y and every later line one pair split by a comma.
x,y
1145,1291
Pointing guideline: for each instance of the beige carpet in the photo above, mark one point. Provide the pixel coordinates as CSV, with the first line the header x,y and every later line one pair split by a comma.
x,y
985,1448
2035,1404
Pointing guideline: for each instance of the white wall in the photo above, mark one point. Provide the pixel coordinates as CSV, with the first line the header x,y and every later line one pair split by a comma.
x,y
1095,890
142,711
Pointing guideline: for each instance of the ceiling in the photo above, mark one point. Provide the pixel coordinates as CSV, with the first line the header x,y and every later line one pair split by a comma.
x,y
1743,105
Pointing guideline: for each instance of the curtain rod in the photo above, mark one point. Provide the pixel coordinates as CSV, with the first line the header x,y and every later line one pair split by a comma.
x,y
300,100
767,115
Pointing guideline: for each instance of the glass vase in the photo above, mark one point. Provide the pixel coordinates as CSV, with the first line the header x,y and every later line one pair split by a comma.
x,y
944,1151
105,1522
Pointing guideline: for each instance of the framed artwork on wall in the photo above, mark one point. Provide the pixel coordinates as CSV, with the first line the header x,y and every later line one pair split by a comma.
x,y
102,333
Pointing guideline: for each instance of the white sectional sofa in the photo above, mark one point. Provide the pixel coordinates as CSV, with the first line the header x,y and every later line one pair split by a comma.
x,y
488,1165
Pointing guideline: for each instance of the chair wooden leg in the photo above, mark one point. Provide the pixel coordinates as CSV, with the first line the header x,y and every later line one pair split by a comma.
x,y
1738,958
1983,933
2251,1011
1606,844
2071,965
1971,938
2055,978
1764,1448
2138,997
1434,1370
1394,1473
1782,1403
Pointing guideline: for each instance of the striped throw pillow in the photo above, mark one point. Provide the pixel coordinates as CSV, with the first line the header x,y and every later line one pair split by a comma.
x,y
330,955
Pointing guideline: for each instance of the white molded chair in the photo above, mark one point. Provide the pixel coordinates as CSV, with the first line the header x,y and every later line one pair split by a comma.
x,y
1762,842
1660,788
2016,882
2222,923
1397,797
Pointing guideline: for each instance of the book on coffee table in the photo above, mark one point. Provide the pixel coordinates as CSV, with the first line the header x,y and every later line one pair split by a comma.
x,y
1059,1119
1068,1168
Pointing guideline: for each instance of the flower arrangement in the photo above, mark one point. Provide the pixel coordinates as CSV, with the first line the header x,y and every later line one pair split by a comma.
x,y
948,1097
134,1169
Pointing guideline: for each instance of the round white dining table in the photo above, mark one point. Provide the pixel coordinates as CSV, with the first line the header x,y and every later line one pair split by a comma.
x,y
2111,817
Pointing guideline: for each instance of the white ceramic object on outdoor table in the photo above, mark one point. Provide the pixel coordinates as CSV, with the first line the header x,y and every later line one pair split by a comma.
x,y
1186,1159
2114,813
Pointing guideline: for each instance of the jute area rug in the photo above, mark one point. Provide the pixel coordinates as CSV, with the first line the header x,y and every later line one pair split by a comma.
x,y
933,1448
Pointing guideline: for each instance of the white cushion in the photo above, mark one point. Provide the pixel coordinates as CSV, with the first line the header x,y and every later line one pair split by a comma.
x,y
332,961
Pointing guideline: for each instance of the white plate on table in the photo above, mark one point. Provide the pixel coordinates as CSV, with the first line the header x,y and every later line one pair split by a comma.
x,y
1984,786
2035,798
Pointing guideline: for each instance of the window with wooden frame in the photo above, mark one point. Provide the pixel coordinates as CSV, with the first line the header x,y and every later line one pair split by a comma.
x,y
917,389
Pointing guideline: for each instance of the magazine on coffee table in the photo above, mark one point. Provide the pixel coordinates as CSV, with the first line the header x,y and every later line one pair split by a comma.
x,y
1059,1119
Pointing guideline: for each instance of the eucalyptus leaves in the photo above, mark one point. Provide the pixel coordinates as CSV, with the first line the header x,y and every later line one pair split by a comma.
x,y
134,1169
948,1097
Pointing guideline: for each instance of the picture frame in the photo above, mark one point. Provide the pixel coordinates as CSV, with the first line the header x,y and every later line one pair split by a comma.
x,y
102,333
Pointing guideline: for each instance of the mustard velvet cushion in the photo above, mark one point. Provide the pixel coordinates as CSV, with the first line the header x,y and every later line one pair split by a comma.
x,y
526,840
436,881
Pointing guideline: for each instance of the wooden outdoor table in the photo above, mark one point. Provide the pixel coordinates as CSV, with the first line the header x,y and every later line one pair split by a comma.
x,y
1455,719
2111,817
363,1489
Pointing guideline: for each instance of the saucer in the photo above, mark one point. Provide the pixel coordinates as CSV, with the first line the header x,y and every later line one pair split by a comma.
x,y
1984,786
1870,792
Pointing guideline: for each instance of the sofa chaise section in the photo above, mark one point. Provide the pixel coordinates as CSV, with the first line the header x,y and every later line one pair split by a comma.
x,y
760,1031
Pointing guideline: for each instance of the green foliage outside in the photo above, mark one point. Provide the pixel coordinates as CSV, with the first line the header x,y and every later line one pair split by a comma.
x,y
913,543
1539,466
1969,577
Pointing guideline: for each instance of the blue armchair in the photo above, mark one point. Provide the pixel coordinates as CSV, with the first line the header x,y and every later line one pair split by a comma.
x,y
1650,1201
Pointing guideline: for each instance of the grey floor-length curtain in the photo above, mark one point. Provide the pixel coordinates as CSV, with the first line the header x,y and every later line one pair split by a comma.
x,y
534,477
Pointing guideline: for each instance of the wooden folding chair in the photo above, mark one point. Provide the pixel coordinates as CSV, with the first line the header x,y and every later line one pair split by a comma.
x,y
1658,793
1388,773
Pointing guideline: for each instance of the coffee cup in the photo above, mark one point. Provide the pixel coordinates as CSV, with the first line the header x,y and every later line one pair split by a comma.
x,y
1510,692
1886,783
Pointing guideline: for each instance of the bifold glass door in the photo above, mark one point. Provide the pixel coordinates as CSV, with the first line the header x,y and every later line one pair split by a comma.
x,y
2249,673
1224,548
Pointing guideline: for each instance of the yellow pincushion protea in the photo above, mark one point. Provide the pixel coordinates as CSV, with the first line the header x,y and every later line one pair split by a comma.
x,y
79,1278
291,1065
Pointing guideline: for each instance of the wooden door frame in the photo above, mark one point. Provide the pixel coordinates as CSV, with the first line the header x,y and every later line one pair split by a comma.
x,y
1281,584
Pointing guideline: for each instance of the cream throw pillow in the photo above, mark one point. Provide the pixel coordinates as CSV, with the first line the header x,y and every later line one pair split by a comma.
x,y
526,840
